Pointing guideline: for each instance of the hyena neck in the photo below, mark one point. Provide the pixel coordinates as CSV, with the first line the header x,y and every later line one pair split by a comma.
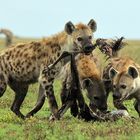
x,y
61,40
67,44
54,46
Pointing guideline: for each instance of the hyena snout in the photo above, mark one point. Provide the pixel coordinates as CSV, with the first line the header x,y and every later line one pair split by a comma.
x,y
116,95
100,104
103,107
88,48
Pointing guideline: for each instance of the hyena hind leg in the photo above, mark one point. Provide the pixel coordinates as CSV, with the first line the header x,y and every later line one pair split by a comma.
x,y
20,93
74,109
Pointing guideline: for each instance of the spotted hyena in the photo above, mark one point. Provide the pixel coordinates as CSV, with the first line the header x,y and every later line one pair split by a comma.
x,y
126,82
24,64
90,79
121,75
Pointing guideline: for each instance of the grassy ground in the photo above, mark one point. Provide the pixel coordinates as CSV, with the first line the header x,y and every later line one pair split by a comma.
x,y
39,128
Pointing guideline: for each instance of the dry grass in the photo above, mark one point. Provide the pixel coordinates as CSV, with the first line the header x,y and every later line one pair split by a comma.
x,y
68,127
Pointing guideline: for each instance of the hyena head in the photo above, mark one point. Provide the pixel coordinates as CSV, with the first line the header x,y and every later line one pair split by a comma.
x,y
81,35
96,93
124,83
110,47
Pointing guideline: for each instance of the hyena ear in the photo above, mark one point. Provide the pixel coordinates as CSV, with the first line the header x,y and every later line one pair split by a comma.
x,y
133,72
69,27
112,73
92,24
86,83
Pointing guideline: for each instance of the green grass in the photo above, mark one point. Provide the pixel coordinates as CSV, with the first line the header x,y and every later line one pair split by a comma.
x,y
39,128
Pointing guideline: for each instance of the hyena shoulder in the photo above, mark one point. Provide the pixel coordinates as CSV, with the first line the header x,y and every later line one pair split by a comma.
x,y
86,66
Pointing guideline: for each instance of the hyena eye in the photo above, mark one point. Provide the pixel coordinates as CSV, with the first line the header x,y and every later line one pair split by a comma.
x,y
123,86
79,38
90,37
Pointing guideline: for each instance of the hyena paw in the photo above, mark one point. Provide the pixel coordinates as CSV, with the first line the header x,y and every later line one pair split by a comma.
x,y
29,115
53,118
48,68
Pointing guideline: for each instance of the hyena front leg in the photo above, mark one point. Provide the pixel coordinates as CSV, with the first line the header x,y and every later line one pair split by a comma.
x,y
137,106
74,108
47,80
39,103
65,93
51,98
69,97
107,86
45,89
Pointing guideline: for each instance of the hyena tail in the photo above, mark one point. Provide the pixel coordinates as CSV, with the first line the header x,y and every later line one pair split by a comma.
x,y
9,36
3,85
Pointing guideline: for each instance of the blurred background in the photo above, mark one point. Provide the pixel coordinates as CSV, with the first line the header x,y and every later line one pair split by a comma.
x,y
40,18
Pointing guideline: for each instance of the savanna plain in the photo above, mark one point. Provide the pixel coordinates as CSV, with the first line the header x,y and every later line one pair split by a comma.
x,y
39,128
